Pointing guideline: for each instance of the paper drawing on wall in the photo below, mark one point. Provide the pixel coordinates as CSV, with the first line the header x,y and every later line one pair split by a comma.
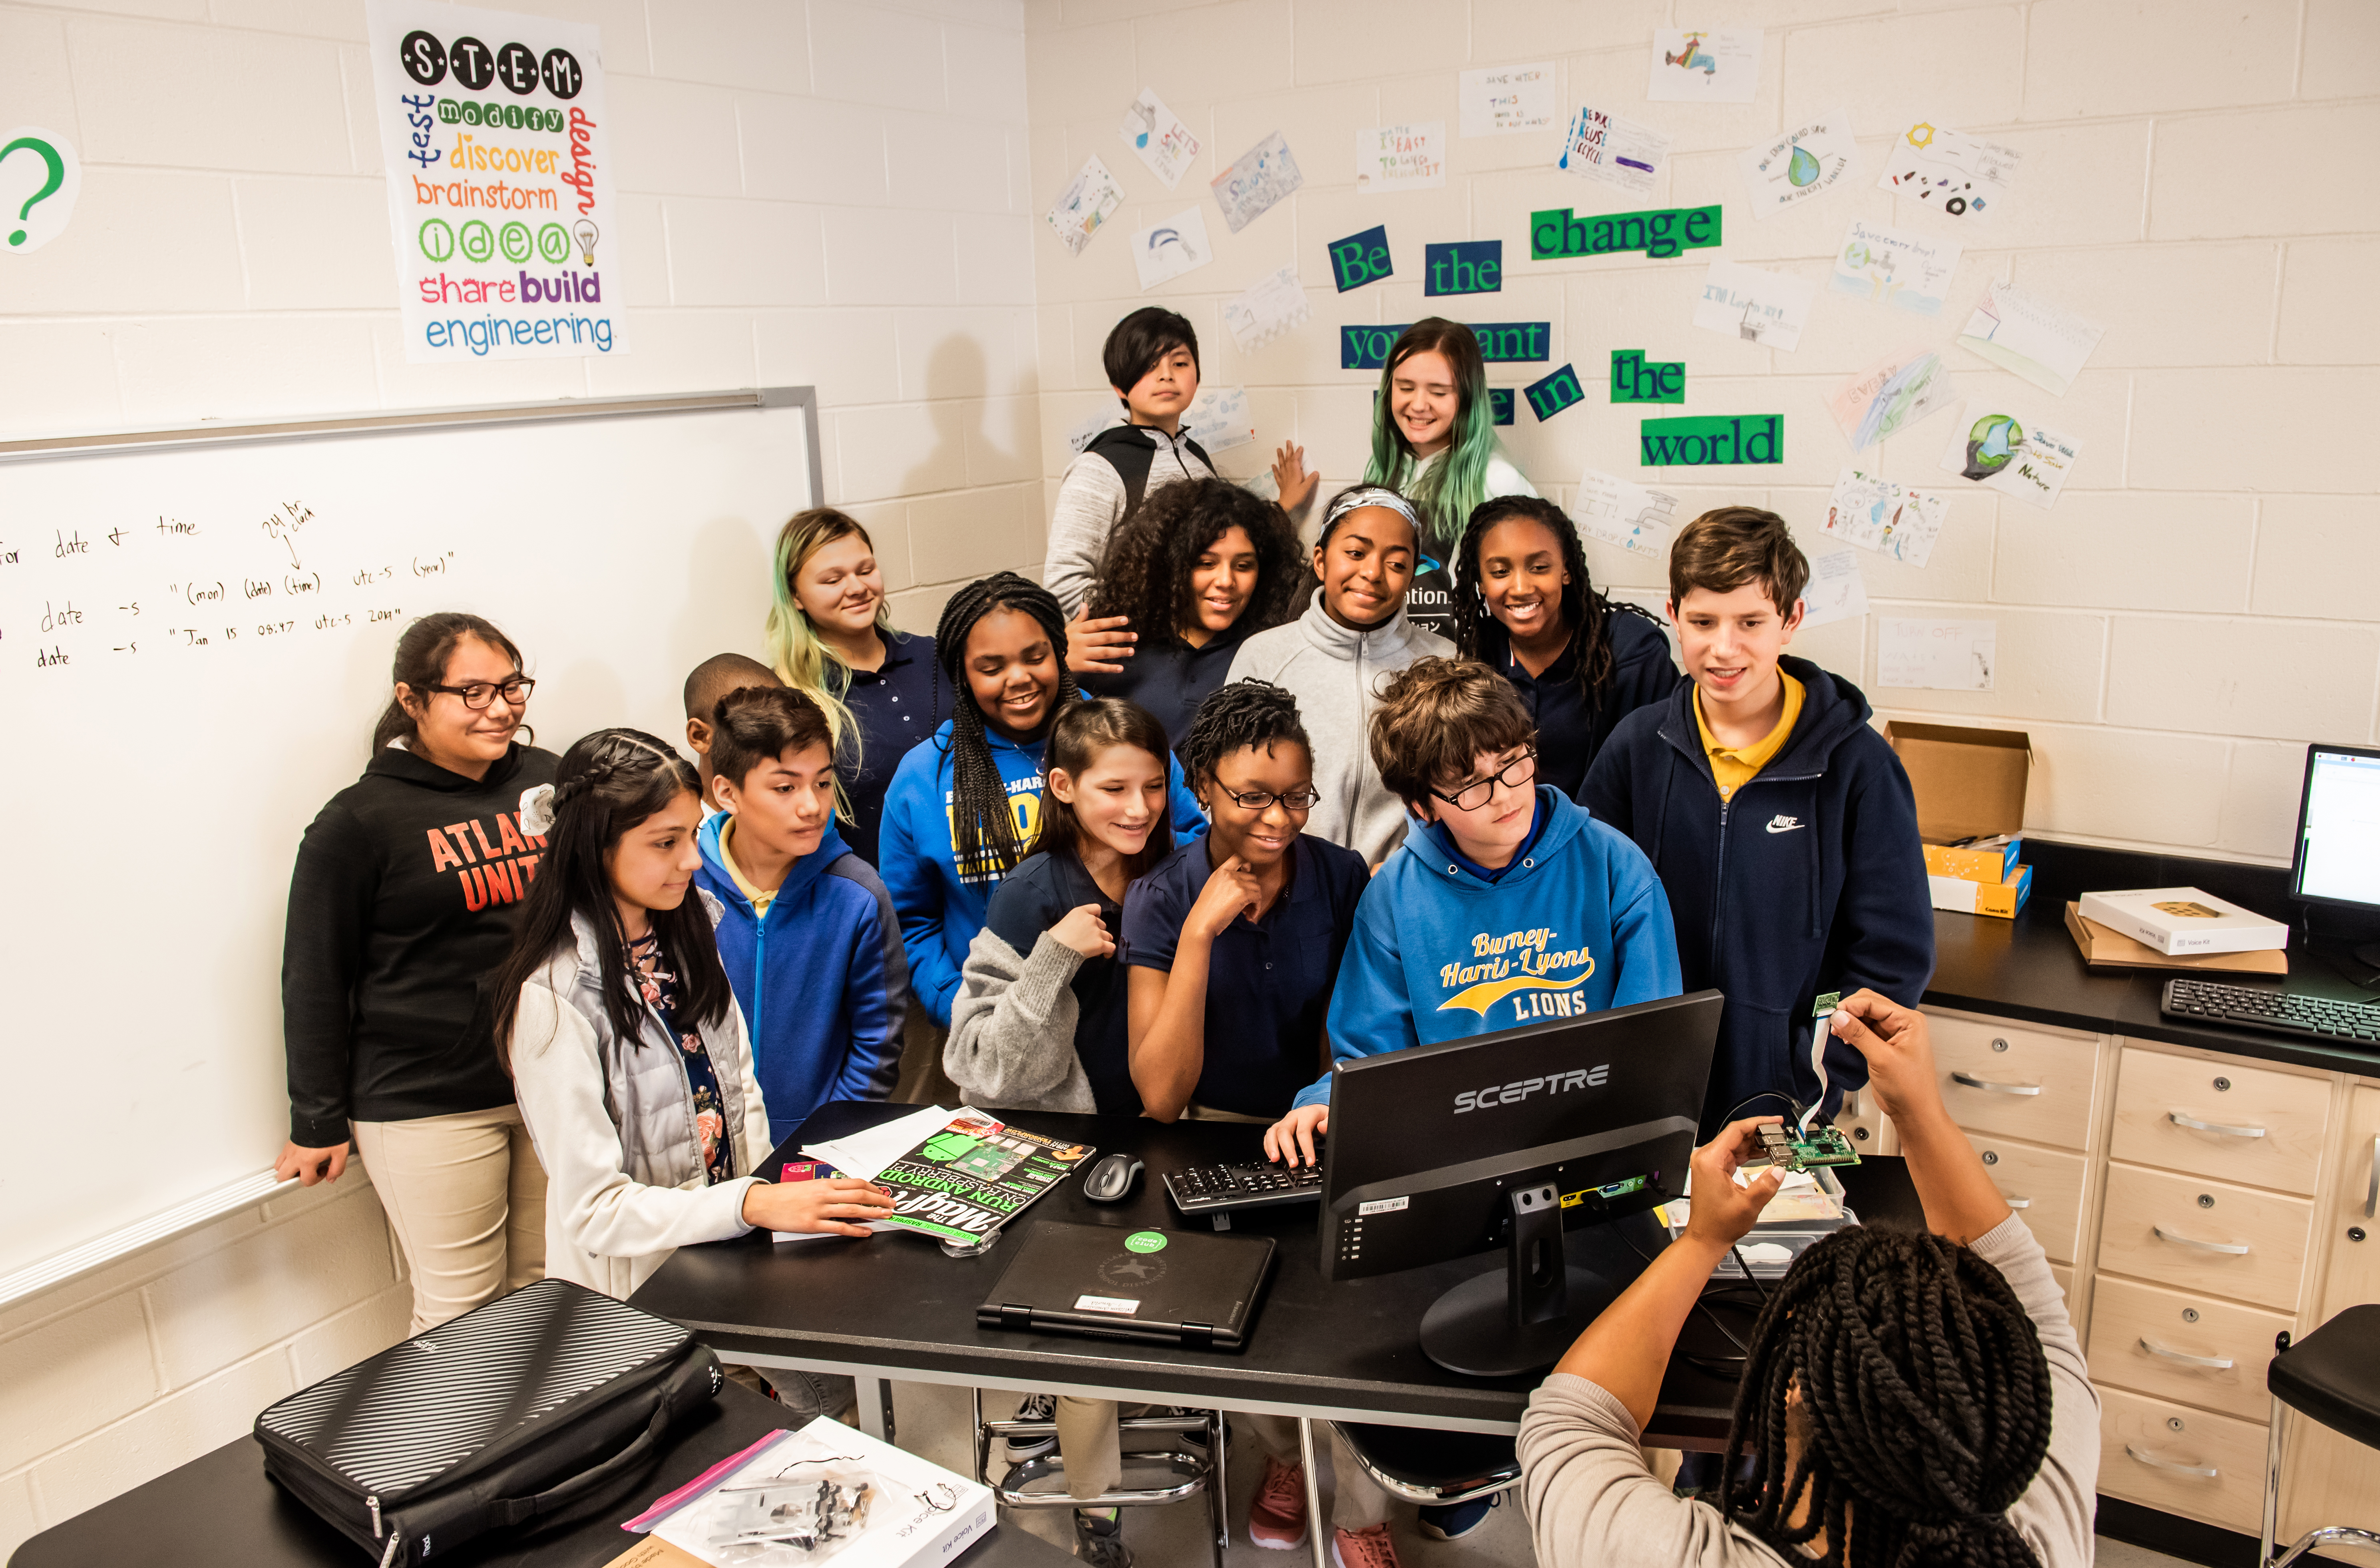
x,y
1089,200
1801,165
1219,417
1158,138
1616,151
1406,157
1501,100
1836,592
2021,332
1949,172
1769,309
1894,267
1171,247
1627,517
1275,304
40,178
1704,67
1891,395
1261,177
1088,426
2002,451
1937,655
1891,519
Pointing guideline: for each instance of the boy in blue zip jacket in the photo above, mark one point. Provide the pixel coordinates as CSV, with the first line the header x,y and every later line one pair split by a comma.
x,y
1505,903
1782,825
805,929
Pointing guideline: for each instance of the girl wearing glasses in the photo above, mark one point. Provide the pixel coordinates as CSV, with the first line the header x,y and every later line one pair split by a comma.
x,y
407,891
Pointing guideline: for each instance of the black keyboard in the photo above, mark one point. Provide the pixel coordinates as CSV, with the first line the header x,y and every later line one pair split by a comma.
x,y
1217,1190
2278,1012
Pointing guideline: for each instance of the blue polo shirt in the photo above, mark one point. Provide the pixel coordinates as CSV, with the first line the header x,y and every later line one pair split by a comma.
x,y
1268,982
894,710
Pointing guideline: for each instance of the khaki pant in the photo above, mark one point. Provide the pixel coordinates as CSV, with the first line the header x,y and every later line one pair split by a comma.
x,y
466,1199
921,1080
1091,1445
1356,1501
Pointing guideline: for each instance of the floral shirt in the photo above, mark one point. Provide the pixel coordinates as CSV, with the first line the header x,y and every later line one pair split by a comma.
x,y
658,989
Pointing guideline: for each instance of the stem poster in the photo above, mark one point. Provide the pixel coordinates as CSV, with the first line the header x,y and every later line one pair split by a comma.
x,y
500,197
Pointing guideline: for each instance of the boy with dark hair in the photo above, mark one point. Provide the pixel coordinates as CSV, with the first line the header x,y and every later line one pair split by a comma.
x,y
1152,358
805,927
710,681
1781,823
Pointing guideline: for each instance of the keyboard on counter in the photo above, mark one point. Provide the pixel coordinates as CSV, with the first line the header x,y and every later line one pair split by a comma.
x,y
1218,1191
2277,1012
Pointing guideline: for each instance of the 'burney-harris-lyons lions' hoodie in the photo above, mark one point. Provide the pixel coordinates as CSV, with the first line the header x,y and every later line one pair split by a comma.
x,y
1576,924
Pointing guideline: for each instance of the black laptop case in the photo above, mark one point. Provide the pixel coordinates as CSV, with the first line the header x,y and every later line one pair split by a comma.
x,y
543,1406
1190,1288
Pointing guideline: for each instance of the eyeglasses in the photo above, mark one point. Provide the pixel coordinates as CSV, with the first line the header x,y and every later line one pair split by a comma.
x,y
1519,770
478,694
1258,799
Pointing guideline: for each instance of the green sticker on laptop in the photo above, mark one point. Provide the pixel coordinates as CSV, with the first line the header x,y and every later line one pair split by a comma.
x,y
1145,1241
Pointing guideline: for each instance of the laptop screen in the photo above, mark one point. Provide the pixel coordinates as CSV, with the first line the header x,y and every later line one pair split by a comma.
x,y
2338,829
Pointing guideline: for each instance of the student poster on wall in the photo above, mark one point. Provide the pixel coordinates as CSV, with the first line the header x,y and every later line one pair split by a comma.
x,y
497,140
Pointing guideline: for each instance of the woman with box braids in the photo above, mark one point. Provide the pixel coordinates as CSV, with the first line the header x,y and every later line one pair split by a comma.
x,y
1898,1402
983,825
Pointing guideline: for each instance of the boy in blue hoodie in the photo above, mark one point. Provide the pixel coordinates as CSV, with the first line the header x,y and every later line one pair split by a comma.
x,y
1782,826
804,928
1505,903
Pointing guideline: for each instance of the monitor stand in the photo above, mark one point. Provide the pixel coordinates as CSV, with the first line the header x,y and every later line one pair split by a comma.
x,y
1522,1317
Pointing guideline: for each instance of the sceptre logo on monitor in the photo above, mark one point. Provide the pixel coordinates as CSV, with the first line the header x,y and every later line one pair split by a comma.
x,y
1521,1089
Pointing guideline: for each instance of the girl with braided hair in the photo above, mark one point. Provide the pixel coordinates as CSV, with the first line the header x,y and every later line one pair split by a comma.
x,y
1911,1399
624,1043
1525,605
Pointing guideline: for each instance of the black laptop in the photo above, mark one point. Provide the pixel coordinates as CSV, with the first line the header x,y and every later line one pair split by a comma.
x,y
1190,1288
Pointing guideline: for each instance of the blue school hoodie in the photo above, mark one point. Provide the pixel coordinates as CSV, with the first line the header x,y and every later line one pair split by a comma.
x,y
1578,924
822,977
1811,880
940,909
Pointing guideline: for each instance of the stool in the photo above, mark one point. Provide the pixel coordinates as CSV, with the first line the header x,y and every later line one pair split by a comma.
x,y
1194,1472
1430,1467
2331,1375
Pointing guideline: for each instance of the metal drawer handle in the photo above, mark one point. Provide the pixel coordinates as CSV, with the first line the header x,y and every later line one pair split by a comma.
x,y
1974,1082
2237,1249
2178,1120
2371,1194
2220,1363
2208,1471
2016,1202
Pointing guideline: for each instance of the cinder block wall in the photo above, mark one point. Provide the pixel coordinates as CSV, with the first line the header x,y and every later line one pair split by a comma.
x,y
2200,602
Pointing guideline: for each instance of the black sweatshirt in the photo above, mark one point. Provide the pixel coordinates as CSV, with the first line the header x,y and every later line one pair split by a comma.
x,y
400,911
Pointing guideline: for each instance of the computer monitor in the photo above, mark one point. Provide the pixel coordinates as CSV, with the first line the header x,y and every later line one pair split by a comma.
x,y
1508,1139
2338,859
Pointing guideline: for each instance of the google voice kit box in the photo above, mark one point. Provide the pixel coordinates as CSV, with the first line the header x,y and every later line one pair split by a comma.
x,y
2183,919
1970,786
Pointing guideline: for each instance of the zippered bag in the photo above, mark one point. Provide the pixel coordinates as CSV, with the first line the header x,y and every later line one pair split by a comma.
x,y
543,1406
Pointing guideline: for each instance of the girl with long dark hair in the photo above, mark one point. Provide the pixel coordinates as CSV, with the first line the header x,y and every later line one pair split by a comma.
x,y
406,889
1525,605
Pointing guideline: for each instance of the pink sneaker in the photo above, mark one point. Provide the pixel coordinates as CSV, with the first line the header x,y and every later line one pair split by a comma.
x,y
1277,1520
1368,1548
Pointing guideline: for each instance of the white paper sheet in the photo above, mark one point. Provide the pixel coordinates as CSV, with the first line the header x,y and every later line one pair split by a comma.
x,y
2043,342
1627,515
1894,267
1089,200
1219,417
1405,157
1801,165
1261,175
1769,309
1836,591
1158,138
2004,450
1931,655
1171,247
1891,395
1502,100
1088,426
1704,67
1951,173
1275,304
1889,519
1619,152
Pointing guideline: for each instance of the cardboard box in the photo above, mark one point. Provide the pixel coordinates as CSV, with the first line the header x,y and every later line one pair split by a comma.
x,y
2003,898
1986,861
2104,949
2177,921
1970,783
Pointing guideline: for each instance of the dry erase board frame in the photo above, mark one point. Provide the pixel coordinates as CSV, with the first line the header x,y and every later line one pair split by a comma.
x,y
132,1232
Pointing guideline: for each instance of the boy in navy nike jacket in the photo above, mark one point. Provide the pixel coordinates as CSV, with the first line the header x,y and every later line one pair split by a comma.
x,y
1782,825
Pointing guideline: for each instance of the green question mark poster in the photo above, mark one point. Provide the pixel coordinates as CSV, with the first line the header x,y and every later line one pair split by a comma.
x,y
39,178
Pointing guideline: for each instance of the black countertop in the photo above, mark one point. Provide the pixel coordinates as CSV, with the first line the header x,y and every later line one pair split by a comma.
x,y
2029,969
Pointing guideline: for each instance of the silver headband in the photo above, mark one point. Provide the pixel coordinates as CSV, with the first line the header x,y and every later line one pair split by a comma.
x,y
1362,495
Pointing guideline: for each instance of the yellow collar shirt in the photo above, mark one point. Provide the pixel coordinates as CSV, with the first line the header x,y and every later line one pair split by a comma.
x,y
762,898
1733,767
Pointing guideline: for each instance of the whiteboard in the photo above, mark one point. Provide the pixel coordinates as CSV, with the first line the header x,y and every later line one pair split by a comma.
x,y
195,637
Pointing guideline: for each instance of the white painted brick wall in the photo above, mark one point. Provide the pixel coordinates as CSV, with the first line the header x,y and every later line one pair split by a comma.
x,y
820,191
2200,604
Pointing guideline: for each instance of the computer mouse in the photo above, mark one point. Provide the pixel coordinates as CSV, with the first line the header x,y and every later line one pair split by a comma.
x,y
1110,1180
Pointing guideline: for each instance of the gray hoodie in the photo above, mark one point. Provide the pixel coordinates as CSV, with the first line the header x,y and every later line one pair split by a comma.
x,y
1335,673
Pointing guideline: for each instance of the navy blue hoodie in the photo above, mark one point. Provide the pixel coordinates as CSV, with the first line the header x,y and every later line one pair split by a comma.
x,y
1811,880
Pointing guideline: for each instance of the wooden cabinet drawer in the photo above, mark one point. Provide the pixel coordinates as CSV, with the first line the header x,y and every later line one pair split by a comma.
x,y
2019,1082
2354,1273
2184,1461
2045,1186
2221,1119
2168,1343
1863,1121
2197,1235
2328,1478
